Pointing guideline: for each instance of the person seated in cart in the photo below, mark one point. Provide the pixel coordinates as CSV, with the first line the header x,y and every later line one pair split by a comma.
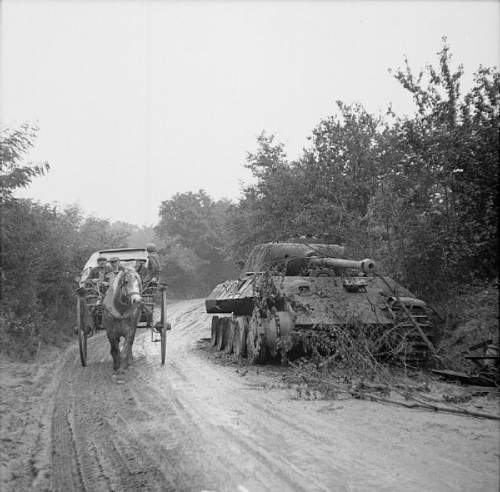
x,y
152,265
98,273
98,280
150,277
140,267
114,267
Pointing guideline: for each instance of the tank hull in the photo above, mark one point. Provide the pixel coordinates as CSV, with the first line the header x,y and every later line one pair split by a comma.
x,y
314,300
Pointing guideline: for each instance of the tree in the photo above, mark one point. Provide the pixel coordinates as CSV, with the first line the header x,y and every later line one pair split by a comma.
x,y
418,192
14,174
196,255
14,144
41,245
139,236
325,193
444,173
267,208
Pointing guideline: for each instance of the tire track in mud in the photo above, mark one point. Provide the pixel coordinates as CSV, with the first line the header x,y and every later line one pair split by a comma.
x,y
258,441
142,436
108,436
26,407
193,425
66,471
264,428
92,449
329,452
236,455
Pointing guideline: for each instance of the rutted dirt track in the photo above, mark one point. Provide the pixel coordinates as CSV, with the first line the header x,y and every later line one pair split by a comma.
x,y
197,425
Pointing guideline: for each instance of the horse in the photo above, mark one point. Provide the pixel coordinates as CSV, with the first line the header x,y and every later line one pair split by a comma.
x,y
121,311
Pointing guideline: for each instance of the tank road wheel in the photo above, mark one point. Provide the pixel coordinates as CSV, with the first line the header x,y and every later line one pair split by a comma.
x,y
279,326
230,327
82,334
213,339
221,333
240,336
256,348
236,339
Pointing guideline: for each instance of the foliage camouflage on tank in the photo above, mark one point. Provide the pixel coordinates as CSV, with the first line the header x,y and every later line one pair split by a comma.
x,y
291,289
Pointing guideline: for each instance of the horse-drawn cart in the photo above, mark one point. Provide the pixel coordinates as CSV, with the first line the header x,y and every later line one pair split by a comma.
x,y
92,292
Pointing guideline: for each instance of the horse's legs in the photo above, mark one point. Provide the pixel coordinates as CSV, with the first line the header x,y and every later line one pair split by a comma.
x,y
114,341
127,348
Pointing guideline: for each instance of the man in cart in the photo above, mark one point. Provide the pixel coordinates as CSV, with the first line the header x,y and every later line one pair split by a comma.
x,y
98,274
140,267
152,265
98,279
150,273
114,268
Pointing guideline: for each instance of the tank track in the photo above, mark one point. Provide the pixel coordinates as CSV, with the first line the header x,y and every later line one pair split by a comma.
x,y
243,337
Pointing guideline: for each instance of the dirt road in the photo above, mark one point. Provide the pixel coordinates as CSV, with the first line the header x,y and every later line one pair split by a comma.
x,y
196,425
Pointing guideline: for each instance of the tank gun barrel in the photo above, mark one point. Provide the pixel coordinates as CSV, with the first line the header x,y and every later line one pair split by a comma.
x,y
365,265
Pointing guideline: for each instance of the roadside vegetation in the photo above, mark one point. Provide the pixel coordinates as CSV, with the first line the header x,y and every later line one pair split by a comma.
x,y
42,248
418,193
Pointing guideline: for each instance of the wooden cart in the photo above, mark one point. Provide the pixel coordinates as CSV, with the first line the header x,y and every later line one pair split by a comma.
x,y
89,315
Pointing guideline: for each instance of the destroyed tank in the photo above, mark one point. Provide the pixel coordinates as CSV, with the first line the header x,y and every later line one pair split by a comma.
x,y
289,291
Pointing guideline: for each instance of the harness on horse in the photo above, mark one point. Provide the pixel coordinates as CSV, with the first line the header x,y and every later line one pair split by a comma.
x,y
117,295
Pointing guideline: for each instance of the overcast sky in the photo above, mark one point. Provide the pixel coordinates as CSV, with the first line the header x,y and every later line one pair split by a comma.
x,y
139,100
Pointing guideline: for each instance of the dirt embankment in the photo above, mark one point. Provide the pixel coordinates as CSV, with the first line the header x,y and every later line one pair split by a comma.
x,y
199,424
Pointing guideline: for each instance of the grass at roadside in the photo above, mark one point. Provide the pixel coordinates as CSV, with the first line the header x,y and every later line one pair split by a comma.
x,y
25,338
470,316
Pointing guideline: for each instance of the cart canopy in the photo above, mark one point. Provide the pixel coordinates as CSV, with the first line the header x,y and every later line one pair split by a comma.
x,y
126,255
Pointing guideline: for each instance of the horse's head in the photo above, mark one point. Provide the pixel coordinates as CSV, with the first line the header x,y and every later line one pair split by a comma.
x,y
130,287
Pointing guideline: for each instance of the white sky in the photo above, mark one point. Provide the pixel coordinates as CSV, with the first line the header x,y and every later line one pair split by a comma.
x,y
139,100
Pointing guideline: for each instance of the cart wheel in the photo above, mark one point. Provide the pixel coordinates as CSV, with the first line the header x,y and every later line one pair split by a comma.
x,y
163,325
163,344
82,342
82,336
